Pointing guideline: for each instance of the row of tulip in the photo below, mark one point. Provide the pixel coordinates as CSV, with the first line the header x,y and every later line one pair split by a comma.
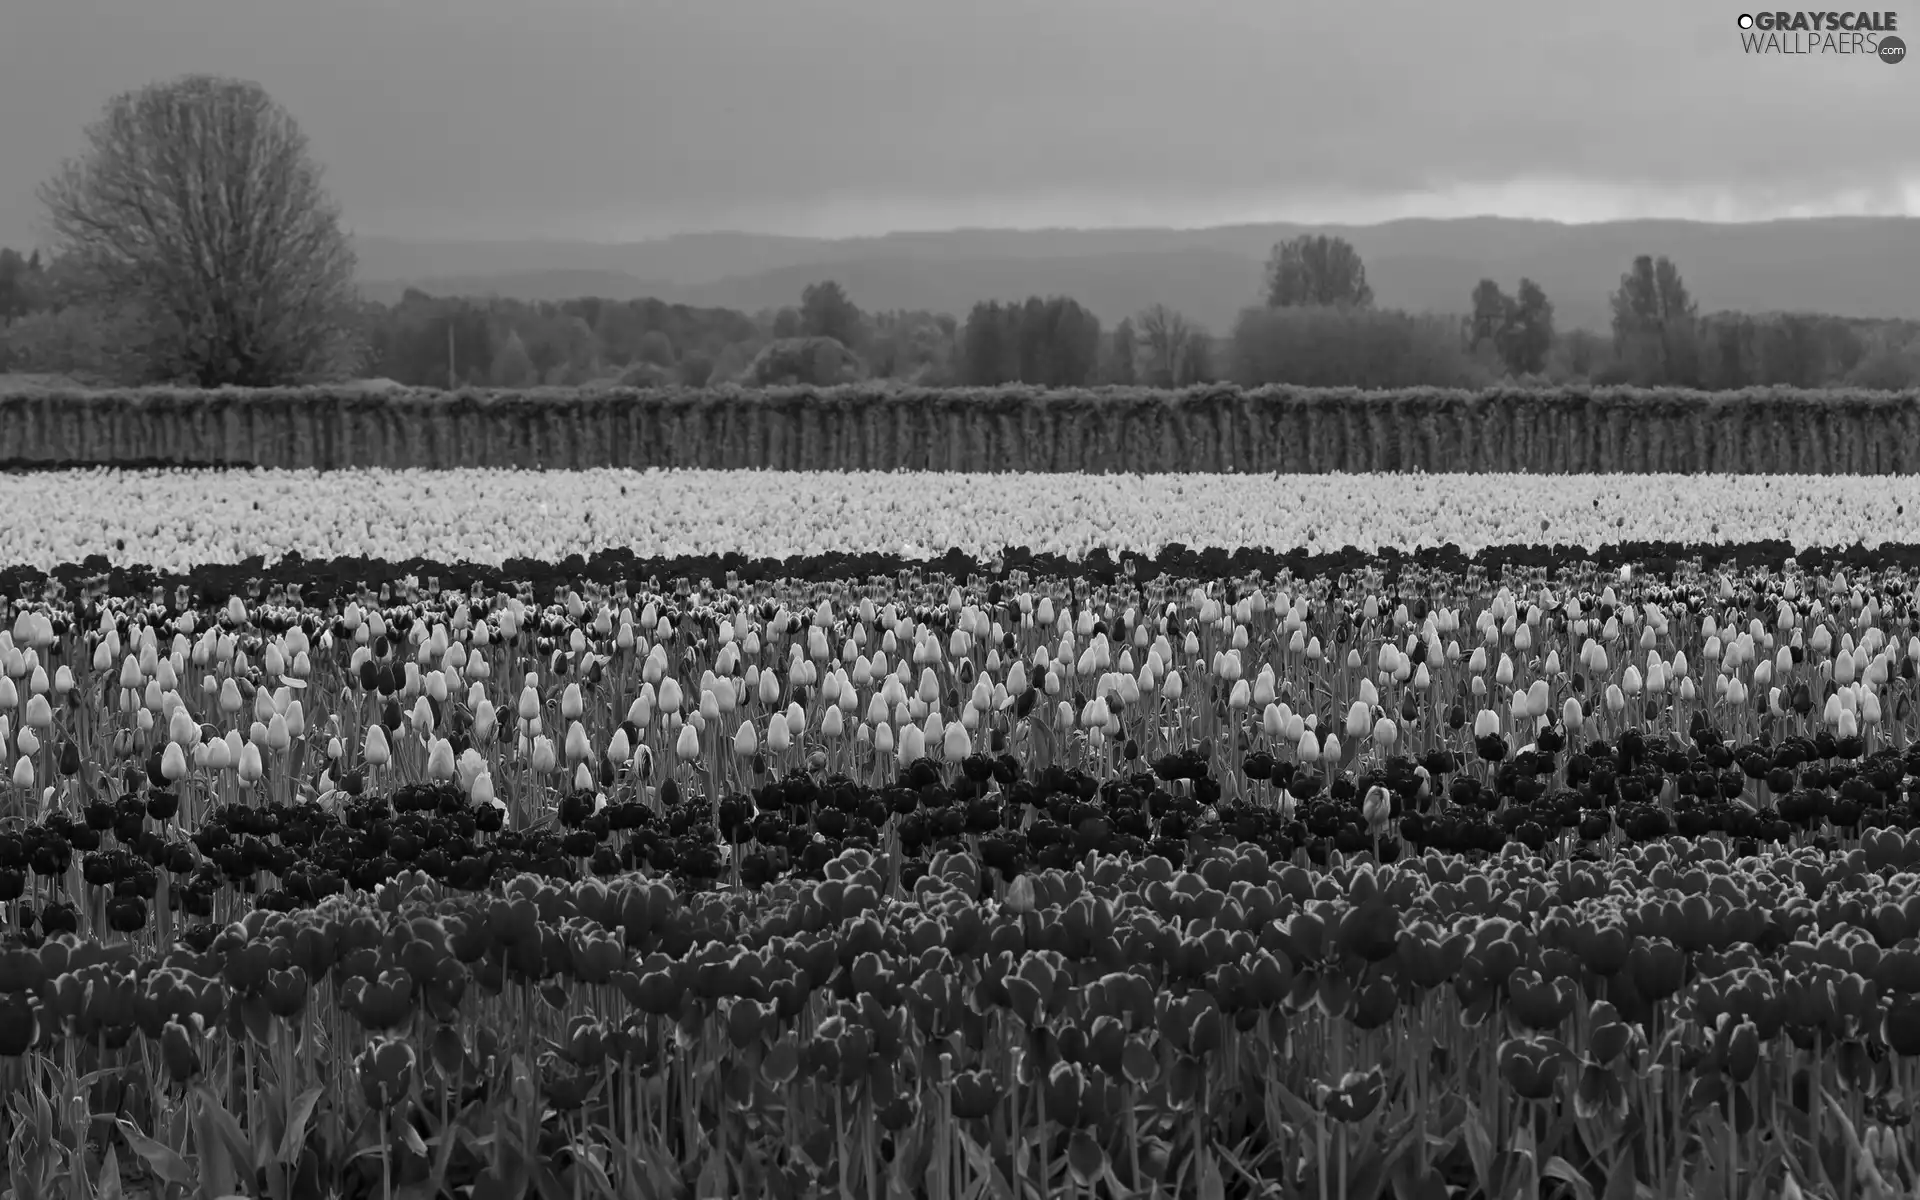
x,y
1420,847
176,520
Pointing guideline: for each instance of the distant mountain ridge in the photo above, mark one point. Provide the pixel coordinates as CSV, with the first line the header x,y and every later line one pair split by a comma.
x,y
1863,267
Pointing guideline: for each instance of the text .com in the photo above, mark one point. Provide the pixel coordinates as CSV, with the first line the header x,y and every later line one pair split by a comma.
x,y
1862,34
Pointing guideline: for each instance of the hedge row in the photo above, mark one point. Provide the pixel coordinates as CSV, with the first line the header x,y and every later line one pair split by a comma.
x,y
1212,429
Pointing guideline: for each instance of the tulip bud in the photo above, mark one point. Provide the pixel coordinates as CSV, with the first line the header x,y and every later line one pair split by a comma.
x,y
1309,747
481,791
543,758
779,737
577,747
1359,718
687,747
746,743
375,750
173,763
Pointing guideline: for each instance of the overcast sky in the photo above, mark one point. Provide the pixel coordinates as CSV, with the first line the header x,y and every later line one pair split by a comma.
x,y
634,118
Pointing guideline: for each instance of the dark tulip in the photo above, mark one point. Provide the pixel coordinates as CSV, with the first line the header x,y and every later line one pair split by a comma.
x,y
177,1052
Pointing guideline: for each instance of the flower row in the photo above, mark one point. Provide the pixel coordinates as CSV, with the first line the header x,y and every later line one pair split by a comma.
x,y
175,520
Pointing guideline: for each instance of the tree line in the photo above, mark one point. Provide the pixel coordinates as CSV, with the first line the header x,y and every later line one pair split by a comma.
x,y
193,243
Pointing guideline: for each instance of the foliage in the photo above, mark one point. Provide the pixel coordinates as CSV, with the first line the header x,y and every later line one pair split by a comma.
x,y
1332,347
1655,330
1518,329
1050,343
806,361
1317,271
826,312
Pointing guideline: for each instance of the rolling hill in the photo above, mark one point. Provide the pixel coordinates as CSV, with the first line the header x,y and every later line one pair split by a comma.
x,y
1856,267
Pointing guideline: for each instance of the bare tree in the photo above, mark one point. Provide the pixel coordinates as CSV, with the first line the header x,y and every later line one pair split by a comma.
x,y
197,200
1172,345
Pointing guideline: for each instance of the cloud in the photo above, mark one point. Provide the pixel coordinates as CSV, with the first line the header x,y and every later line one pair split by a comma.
x,y
596,118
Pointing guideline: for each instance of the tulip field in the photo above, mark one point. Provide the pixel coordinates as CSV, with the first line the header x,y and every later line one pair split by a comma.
x,y
602,834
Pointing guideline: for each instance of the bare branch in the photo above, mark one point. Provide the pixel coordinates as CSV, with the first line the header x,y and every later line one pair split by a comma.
x,y
197,200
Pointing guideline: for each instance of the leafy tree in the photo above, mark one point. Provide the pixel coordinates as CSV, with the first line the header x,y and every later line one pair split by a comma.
x,y
1654,324
512,366
1518,330
1331,347
198,200
1888,369
1122,350
1527,339
1059,342
989,355
655,348
696,369
1314,270
18,284
808,362
825,311
1492,309
917,346
786,324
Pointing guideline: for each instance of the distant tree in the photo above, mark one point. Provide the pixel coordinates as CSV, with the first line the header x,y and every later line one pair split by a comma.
x,y
17,284
1200,367
1492,310
1528,337
786,323
732,362
696,369
1318,346
989,355
655,348
1121,369
198,200
1058,342
1653,324
825,311
804,361
1173,348
915,346
1314,270
1887,370
512,366
1515,330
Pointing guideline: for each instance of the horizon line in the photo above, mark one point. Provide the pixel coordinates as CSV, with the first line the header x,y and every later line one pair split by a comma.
x,y
1130,228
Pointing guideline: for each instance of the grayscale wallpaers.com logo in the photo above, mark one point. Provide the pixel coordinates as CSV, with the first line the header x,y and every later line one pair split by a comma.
x,y
1867,34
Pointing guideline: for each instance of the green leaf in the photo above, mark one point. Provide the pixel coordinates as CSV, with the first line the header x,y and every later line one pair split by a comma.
x,y
1473,1130
1412,1182
297,1117
108,1185
1211,1185
165,1164
225,1126
1562,1170
995,1183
